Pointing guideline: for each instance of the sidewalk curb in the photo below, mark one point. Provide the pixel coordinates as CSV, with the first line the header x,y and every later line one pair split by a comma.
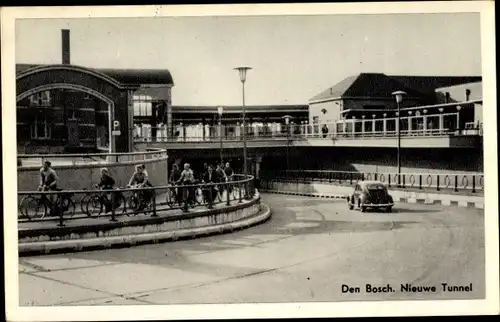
x,y
459,204
40,248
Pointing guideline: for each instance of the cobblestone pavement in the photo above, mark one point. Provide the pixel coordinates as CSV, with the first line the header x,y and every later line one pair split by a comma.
x,y
305,252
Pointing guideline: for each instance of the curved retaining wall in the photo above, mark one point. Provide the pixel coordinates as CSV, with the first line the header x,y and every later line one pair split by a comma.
x,y
149,230
83,176
341,192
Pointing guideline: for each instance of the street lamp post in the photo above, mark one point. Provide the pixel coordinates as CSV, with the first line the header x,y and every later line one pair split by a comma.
x,y
220,110
243,76
399,98
287,123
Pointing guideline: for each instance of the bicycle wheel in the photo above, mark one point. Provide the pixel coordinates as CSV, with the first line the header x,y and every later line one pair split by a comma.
x,y
171,198
69,207
94,207
31,208
23,207
121,203
83,202
236,192
218,195
134,203
199,197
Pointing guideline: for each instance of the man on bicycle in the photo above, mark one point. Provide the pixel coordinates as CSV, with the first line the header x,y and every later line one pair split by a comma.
x,y
106,183
210,176
187,178
221,175
229,175
174,178
140,179
48,177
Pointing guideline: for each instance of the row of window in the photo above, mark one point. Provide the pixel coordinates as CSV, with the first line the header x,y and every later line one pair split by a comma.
x,y
142,103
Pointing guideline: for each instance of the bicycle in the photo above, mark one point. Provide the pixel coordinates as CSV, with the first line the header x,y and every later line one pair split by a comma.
x,y
203,193
98,201
187,200
39,207
137,200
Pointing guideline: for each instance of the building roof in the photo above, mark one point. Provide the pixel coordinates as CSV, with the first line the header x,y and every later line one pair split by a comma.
x,y
237,109
124,76
378,85
429,84
472,85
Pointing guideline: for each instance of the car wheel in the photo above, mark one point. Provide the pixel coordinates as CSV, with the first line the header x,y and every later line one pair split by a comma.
x,y
389,209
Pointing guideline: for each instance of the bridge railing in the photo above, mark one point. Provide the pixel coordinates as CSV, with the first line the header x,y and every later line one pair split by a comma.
x,y
429,181
36,160
61,206
411,126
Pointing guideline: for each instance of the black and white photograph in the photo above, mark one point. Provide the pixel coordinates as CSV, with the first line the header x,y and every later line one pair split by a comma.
x,y
292,160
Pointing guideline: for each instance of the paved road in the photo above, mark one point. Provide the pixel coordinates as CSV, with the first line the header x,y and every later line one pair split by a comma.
x,y
306,252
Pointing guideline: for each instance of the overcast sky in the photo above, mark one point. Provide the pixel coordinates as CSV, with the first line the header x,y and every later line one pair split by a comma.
x,y
293,57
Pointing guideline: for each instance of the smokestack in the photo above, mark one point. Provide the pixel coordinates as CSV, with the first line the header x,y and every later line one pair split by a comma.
x,y
65,46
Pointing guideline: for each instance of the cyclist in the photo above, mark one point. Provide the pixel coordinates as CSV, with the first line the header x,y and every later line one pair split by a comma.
x,y
107,183
210,176
229,172
229,175
174,177
176,173
48,182
187,178
221,175
48,177
138,180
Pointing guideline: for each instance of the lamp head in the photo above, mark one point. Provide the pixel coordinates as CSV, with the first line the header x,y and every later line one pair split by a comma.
x,y
287,119
220,110
399,96
243,72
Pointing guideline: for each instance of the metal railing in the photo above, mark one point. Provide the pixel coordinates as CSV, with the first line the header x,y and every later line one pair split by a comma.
x,y
60,206
36,160
414,126
448,182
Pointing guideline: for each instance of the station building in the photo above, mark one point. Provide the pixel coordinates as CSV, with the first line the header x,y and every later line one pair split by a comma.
x,y
68,108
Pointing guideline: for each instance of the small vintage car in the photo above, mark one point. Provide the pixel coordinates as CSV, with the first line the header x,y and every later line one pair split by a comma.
x,y
370,194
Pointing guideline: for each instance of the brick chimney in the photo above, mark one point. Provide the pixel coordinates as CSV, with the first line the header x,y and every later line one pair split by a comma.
x,y
65,46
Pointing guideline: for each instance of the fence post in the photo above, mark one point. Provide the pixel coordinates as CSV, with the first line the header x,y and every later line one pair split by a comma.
x,y
362,176
404,179
375,175
227,193
61,211
420,181
112,204
437,184
389,180
154,203
473,183
456,183
210,195
350,178
239,192
185,196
